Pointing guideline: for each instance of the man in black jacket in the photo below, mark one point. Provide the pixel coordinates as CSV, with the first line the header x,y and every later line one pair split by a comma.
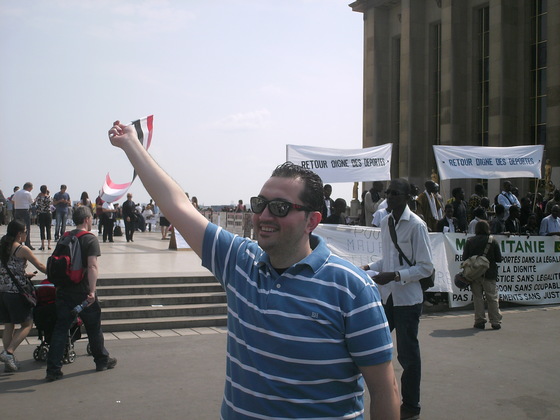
x,y
129,216
448,224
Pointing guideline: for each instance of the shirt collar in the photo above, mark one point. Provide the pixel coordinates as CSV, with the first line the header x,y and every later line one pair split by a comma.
x,y
315,260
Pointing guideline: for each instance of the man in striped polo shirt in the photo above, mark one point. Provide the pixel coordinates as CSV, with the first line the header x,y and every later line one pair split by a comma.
x,y
305,327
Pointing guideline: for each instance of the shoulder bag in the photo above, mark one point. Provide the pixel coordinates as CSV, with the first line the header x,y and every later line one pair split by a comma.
x,y
426,282
473,267
27,291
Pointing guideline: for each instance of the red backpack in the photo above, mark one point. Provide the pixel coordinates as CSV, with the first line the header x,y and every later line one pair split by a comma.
x,y
64,266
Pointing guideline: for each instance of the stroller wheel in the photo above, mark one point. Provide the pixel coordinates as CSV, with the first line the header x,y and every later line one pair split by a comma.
x,y
71,356
36,355
43,353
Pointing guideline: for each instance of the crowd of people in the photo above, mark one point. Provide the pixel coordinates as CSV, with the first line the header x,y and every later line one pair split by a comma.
x,y
313,281
508,213
47,211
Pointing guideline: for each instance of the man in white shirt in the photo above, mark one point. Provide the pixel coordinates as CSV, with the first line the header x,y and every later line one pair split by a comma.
x,y
507,199
550,225
23,200
399,284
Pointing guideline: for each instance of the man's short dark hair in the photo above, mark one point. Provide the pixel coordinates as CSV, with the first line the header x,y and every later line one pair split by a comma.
x,y
63,187
482,228
402,185
312,194
81,214
456,191
499,209
479,212
513,210
429,184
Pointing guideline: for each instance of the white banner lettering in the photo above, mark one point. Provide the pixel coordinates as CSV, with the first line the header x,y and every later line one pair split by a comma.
x,y
529,273
455,162
361,245
344,165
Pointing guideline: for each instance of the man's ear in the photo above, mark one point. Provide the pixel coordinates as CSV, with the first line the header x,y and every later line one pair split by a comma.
x,y
313,220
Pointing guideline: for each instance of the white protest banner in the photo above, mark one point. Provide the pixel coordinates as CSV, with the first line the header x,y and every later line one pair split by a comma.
x,y
344,165
361,245
529,273
455,162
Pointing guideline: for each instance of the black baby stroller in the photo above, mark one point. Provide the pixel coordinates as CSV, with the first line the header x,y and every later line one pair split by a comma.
x,y
44,316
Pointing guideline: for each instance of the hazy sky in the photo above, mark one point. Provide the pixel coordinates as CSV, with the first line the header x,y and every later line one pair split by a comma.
x,y
229,82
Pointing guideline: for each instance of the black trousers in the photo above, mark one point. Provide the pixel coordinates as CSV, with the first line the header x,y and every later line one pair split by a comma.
x,y
108,224
129,228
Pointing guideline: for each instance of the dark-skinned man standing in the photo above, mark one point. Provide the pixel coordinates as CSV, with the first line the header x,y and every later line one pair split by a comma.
x,y
400,287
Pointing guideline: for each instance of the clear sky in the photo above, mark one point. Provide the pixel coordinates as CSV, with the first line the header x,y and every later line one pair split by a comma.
x,y
229,82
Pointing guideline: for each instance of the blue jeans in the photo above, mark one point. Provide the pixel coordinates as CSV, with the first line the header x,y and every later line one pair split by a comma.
x,y
91,317
60,227
405,319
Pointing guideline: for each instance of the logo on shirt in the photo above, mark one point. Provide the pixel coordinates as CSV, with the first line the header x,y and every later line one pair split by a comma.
x,y
314,315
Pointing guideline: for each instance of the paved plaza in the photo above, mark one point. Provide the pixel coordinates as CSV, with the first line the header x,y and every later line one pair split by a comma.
x,y
179,374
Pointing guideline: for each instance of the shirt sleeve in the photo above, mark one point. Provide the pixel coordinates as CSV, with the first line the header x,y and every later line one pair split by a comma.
x,y
423,266
367,336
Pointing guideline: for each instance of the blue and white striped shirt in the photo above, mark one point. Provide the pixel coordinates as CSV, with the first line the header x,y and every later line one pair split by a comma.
x,y
295,340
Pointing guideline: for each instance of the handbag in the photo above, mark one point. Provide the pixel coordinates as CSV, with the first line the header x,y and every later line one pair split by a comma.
x,y
27,292
426,282
473,267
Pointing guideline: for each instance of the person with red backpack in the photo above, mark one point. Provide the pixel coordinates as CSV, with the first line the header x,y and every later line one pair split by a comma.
x,y
70,294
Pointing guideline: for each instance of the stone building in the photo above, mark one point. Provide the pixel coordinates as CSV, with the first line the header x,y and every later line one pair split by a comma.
x,y
461,72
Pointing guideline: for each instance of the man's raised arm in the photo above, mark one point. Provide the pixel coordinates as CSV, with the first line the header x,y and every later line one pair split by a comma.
x,y
162,188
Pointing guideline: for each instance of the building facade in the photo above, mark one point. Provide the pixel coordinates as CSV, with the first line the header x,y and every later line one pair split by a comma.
x,y
461,72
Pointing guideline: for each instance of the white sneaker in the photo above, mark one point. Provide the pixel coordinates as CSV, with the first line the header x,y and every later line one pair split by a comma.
x,y
9,360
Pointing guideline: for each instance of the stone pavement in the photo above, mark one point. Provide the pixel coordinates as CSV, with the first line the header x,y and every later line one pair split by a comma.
x,y
467,374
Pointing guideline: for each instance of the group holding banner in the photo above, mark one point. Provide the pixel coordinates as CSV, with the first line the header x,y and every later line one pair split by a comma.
x,y
529,273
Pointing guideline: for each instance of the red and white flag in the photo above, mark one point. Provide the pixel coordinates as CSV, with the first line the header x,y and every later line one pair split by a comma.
x,y
112,191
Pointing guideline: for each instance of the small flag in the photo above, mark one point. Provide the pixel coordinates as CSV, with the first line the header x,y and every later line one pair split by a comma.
x,y
112,191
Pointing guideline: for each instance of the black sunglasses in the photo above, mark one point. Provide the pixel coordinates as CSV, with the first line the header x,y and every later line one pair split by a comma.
x,y
279,208
394,193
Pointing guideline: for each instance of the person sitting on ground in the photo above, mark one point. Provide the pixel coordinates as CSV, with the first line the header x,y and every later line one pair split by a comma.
x,y
13,309
337,216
